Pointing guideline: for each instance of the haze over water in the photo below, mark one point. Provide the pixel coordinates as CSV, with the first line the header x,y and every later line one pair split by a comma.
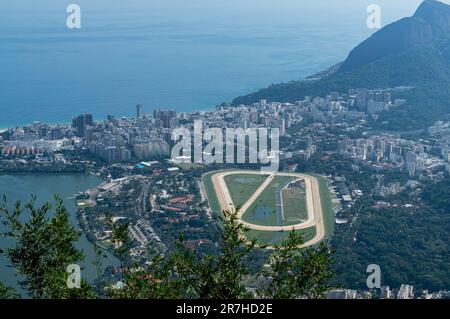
x,y
184,54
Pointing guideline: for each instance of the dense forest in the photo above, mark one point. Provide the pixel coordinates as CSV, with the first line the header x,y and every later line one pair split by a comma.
x,y
410,247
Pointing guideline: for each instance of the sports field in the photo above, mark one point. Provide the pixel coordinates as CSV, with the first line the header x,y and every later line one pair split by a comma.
x,y
242,186
294,206
264,210
273,205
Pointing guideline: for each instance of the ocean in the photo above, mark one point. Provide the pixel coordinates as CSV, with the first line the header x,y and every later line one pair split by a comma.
x,y
182,54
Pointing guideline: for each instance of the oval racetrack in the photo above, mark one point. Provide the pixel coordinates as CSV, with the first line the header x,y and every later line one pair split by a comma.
x,y
314,205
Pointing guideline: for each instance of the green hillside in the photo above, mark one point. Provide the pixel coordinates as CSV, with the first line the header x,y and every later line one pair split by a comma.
x,y
423,65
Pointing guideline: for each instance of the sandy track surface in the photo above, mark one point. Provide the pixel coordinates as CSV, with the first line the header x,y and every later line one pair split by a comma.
x,y
314,205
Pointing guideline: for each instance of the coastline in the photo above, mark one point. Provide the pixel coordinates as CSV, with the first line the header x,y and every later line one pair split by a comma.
x,y
324,72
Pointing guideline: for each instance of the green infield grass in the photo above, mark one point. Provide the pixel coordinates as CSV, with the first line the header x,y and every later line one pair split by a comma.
x,y
264,210
294,206
242,186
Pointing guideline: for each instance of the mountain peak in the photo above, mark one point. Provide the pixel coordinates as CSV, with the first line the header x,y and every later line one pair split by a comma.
x,y
430,22
436,13
427,5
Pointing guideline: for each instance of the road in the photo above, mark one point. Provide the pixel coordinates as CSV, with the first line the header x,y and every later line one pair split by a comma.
x,y
204,198
313,201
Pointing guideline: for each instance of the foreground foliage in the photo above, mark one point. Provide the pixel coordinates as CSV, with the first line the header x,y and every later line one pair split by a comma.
x,y
44,247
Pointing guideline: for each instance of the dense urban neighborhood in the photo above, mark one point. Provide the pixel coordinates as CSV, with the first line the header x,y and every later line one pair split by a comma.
x,y
380,182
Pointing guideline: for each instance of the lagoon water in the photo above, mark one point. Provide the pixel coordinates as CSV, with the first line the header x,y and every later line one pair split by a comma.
x,y
184,54
44,187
